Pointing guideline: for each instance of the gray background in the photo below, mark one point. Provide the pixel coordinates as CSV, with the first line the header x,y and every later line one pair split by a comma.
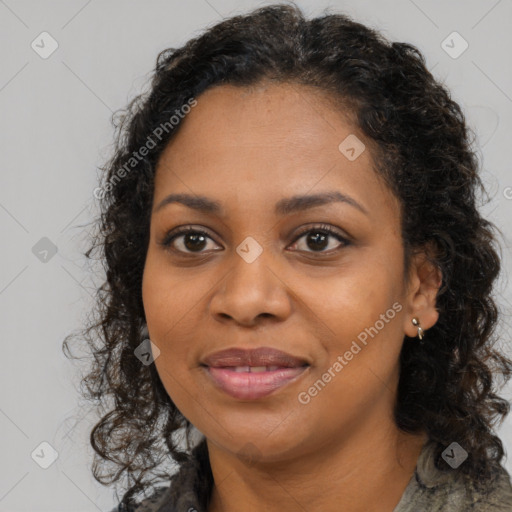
x,y
55,131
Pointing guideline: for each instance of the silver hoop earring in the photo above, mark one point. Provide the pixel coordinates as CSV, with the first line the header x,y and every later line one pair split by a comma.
x,y
416,323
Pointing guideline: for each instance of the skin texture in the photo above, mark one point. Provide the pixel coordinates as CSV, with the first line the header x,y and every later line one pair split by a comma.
x,y
248,149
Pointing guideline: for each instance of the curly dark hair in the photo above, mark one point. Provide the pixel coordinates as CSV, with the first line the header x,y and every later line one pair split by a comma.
x,y
422,148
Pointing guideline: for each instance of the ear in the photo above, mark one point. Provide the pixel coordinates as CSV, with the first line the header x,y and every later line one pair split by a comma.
x,y
425,279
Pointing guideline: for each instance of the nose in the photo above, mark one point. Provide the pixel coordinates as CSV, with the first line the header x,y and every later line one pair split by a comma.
x,y
251,291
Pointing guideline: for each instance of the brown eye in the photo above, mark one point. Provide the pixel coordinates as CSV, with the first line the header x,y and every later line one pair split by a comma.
x,y
317,239
187,240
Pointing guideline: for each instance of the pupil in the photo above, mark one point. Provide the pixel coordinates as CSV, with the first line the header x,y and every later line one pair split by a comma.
x,y
194,238
318,237
196,241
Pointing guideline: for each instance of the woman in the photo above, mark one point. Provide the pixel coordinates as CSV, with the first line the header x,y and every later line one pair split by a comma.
x,y
291,218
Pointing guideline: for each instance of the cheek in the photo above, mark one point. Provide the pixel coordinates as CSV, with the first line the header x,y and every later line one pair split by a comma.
x,y
164,304
361,343
172,305
358,314
168,305
155,297
353,297
167,296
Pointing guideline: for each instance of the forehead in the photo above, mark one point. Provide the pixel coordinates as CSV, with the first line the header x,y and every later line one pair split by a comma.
x,y
267,141
269,116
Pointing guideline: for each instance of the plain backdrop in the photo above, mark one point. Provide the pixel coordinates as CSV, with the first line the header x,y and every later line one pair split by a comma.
x,y
55,130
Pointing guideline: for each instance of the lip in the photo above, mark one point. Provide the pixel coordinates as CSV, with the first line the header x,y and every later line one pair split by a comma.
x,y
261,356
248,385
252,386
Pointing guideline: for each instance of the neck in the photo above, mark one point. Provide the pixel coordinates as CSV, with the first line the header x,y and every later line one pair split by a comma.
x,y
368,470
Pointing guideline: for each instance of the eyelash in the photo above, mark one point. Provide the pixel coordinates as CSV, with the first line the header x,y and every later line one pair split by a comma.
x,y
322,228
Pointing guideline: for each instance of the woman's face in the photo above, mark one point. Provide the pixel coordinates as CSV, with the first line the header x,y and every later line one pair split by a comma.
x,y
264,276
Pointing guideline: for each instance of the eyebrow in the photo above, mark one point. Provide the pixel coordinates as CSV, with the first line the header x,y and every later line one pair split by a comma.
x,y
283,207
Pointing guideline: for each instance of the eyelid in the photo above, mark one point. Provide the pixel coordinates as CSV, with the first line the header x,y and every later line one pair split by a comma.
x,y
332,231
181,230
